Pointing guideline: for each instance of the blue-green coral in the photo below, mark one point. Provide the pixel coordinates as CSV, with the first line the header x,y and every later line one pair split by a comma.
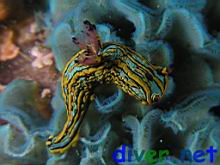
x,y
167,33
183,34
24,131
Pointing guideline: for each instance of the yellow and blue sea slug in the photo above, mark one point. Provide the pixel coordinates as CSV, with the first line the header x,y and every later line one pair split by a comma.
x,y
97,63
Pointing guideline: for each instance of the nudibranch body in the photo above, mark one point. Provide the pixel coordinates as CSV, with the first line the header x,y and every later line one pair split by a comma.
x,y
108,63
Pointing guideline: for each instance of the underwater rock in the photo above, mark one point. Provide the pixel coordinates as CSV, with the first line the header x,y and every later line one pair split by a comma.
x,y
7,8
8,50
2,87
4,10
45,93
43,57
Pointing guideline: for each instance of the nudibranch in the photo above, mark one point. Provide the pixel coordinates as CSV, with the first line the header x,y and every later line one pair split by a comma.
x,y
97,63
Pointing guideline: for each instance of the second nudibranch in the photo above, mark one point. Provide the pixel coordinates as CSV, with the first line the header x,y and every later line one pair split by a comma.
x,y
99,63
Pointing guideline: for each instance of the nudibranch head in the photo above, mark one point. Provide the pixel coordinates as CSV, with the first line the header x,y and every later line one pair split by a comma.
x,y
88,41
85,58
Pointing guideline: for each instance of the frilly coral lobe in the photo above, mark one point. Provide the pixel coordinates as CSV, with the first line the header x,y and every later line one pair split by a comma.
x,y
20,119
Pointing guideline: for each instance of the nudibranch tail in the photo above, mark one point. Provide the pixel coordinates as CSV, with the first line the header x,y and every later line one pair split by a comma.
x,y
68,137
93,37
